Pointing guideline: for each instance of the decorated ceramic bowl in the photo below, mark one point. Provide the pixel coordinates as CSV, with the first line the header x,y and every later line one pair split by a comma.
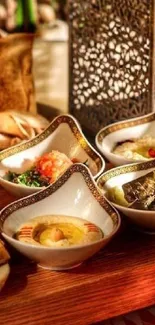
x,y
64,135
124,174
111,135
80,198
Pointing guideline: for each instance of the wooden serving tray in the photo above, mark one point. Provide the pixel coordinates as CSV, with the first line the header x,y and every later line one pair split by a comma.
x,y
119,279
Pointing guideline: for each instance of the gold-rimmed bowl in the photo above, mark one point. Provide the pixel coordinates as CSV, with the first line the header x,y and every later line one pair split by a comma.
x,y
79,197
63,134
121,175
108,137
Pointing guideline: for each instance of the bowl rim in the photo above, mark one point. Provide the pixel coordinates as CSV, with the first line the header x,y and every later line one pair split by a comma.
x,y
120,170
113,127
76,130
102,133
36,197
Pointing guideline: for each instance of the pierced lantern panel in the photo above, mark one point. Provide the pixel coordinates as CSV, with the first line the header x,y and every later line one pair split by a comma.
x,y
111,60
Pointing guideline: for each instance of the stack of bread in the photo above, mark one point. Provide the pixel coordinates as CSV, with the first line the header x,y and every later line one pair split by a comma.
x,y
16,127
4,266
19,120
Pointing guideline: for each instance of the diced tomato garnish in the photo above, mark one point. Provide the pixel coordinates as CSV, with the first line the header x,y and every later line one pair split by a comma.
x,y
52,165
151,152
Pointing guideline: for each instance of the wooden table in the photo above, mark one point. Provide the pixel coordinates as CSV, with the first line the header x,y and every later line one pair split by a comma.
x,y
117,280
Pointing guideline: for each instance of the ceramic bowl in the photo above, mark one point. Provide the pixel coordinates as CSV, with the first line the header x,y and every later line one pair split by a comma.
x,y
63,134
107,138
121,175
79,197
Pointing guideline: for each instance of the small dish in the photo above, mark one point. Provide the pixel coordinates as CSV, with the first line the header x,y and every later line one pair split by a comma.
x,y
107,138
63,134
79,197
122,175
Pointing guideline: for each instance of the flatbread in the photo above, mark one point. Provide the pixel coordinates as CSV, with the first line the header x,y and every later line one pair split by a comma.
x,y
4,255
16,80
16,127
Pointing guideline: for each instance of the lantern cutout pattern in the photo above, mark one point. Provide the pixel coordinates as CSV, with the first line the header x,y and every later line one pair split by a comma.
x,y
110,60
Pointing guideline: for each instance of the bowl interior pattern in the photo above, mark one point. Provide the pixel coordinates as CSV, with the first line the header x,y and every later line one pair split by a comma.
x,y
136,170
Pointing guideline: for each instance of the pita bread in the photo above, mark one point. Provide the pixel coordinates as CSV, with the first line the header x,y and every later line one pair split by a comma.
x,y
5,141
4,266
16,81
16,127
4,256
4,273
9,126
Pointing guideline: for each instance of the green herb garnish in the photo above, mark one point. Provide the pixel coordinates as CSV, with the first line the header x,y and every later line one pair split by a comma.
x,y
30,178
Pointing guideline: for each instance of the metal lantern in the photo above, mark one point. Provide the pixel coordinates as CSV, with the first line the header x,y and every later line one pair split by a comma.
x,y
111,60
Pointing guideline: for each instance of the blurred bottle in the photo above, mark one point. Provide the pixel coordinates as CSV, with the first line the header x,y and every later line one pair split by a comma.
x,y
26,16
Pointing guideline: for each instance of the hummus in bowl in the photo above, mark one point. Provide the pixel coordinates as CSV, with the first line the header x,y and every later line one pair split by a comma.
x,y
74,194
58,231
